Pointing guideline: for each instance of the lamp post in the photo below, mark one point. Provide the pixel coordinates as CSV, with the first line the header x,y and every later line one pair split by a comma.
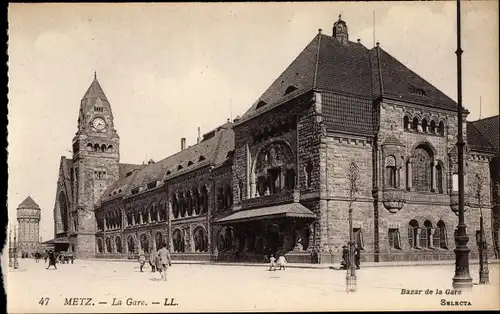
x,y
462,278
16,263
352,179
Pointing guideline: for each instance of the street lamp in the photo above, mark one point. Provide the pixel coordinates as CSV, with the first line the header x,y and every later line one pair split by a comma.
x,y
462,277
352,178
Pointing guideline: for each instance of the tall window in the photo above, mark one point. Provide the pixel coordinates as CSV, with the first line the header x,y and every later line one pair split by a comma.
x,y
118,244
440,238
406,123
200,240
414,125
108,245
424,125
178,241
390,172
394,239
290,179
158,240
144,243
130,244
426,235
432,128
441,128
99,245
358,237
413,234
422,169
439,178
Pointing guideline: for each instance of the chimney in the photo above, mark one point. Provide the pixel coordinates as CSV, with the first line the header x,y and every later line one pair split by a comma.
x,y
199,136
183,143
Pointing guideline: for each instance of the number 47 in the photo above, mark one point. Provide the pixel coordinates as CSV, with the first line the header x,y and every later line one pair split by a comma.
x,y
44,301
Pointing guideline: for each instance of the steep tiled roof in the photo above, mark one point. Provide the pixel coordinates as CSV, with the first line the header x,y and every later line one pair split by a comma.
x,y
490,129
352,76
400,82
295,210
124,169
28,203
95,91
214,151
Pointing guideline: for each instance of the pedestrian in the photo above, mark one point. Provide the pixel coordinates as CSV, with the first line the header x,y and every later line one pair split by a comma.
x,y
45,256
281,262
345,257
152,259
52,260
142,259
216,253
164,261
357,256
272,262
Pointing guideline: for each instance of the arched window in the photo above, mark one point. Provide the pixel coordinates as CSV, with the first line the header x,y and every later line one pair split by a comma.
x,y
63,208
182,204
228,197
163,212
309,169
178,240
175,206
110,148
426,235
118,244
99,245
103,148
390,172
200,240
89,146
96,147
189,204
424,125
441,128
440,236
204,197
439,178
144,243
422,169
413,234
240,189
414,125
406,123
432,128
108,245
159,240
130,244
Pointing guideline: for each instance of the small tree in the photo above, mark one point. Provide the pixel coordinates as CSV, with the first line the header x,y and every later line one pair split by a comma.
x,y
479,192
353,189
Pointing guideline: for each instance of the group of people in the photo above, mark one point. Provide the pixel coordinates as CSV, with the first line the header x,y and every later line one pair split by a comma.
x,y
159,261
273,263
344,263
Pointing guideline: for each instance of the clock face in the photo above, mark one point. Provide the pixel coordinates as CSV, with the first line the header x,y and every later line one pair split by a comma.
x,y
99,123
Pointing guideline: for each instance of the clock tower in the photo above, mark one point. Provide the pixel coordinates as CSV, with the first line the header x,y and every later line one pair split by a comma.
x,y
95,165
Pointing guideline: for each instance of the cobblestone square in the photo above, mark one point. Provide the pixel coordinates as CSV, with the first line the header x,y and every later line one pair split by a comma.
x,y
235,288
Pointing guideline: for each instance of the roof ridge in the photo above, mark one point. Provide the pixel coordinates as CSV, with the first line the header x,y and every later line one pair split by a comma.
x,y
315,76
487,118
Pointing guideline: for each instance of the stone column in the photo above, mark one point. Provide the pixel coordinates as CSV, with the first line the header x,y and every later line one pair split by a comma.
x,y
253,190
105,223
410,177
133,218
140,218
149,214
433,174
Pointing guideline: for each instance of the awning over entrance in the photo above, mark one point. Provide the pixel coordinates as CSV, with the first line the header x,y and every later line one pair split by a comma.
x,y
61,240
292,210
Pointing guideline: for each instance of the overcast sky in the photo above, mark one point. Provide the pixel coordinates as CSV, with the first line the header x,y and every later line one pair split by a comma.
x,y
168,68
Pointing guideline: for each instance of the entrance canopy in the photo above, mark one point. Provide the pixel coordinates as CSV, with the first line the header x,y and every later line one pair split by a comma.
x,y
292,210
61,240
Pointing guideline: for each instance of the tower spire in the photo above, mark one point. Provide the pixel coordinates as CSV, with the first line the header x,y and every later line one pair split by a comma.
x,y
95,75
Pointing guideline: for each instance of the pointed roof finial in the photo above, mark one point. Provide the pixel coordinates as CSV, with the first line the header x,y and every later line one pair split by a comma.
x,y
340,17
95,75
319,30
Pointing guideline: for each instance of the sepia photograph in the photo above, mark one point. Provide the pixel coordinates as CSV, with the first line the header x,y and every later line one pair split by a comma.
x,y
263,157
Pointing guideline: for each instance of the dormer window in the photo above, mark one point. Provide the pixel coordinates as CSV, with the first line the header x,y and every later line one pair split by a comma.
x,y
261,104
190,163
417,90
135,191
179,167
201,158
151,185
290,89
168,172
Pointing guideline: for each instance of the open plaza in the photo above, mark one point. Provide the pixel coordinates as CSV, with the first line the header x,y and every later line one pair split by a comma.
x,y
94,286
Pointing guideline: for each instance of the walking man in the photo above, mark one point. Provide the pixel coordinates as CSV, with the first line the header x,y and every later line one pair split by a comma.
x,y
357,256
152,259
165,261
52,259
